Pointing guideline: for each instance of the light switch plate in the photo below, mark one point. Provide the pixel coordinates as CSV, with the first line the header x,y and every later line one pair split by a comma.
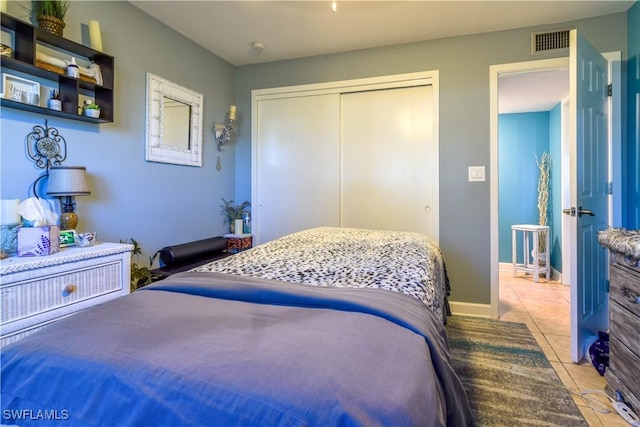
x,y
476,174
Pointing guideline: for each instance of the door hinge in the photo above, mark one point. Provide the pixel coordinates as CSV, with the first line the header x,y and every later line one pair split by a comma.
x,y
610,90
606,285
610,187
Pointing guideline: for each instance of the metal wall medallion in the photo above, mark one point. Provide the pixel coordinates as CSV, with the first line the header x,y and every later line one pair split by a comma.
x,y
46,147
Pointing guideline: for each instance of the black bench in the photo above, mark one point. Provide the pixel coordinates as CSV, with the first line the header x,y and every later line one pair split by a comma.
x,y
185,256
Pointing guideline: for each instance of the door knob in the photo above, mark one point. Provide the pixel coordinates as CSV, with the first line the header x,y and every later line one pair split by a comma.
x,y
584,212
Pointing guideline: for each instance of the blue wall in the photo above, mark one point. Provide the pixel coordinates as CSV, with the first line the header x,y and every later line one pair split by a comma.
x,y
158,204
632,218
521,137
555,186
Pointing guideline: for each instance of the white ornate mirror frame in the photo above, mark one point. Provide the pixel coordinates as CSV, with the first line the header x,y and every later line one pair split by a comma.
x,y
161,129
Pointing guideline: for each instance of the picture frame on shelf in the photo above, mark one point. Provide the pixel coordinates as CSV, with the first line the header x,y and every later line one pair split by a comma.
x,y
20,89
6,51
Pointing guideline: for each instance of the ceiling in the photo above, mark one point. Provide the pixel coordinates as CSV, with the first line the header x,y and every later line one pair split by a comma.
x,y
297,29
532,91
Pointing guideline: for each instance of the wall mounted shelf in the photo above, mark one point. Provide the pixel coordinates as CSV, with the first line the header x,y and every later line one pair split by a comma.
x,y
26,37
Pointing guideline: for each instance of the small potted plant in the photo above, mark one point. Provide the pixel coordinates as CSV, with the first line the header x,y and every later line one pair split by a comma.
x,y
140,274
50,14
232,212
92,110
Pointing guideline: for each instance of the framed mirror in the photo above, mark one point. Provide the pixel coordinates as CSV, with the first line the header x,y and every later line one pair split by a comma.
x,y
174,123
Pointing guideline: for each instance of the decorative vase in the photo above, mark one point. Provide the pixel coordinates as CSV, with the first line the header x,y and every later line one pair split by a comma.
x,y
51,24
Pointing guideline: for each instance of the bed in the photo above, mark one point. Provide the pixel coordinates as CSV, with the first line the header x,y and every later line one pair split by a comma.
x,y
325,327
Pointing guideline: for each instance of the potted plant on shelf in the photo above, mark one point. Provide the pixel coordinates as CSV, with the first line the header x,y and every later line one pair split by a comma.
x,y
50,14
92,110
232,212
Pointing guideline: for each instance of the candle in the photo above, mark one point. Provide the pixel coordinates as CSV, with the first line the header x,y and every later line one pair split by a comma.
x,y
9,212
237,226
232,112
94,35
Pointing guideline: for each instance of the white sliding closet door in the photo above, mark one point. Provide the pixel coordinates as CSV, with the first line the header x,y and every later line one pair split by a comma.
x,y
389,160
297,157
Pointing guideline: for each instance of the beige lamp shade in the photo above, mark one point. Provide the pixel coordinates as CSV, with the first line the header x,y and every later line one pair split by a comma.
x,y
68,181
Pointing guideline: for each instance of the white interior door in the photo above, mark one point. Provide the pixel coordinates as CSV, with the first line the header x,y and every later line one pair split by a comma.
x,y
297,159
589,199
389,161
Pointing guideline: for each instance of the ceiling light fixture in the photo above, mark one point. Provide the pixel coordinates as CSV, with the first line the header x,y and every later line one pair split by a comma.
x,y
334,6
258,47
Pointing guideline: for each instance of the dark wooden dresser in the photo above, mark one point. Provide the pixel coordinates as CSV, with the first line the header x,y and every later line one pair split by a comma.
x,y
624,314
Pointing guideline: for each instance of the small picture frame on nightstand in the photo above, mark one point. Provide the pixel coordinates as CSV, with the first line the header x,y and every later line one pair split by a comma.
x,y
67,238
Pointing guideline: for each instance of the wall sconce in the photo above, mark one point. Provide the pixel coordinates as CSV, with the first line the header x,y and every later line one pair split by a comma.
x,y
223,132
67,182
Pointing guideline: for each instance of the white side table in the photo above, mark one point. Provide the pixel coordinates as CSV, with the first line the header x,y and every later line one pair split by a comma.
x,y
530,257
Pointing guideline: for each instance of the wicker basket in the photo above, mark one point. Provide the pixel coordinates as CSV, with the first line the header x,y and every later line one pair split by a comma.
x,y
51,24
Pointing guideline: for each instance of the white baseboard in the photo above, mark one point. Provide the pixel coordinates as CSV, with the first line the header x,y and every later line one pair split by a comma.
x,y
507,266
470,309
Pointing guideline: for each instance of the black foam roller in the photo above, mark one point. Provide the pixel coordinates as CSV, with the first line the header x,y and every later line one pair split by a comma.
x,y
186,252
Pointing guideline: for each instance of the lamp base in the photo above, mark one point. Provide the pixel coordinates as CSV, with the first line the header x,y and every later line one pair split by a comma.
x,y
68,221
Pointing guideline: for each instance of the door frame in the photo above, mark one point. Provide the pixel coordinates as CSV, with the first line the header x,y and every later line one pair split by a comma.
x,y
615,137
494,73
615,143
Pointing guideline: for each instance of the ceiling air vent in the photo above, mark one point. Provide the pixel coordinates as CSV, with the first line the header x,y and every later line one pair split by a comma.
x,y
549,42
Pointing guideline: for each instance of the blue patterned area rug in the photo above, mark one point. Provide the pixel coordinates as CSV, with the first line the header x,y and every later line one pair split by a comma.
x,y
507,377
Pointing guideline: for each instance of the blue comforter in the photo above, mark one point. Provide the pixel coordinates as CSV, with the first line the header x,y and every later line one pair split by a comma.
x,y
210,349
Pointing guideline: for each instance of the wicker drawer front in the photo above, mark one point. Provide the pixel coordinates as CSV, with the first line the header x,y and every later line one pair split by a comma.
x,y
625,289
625,365
28,298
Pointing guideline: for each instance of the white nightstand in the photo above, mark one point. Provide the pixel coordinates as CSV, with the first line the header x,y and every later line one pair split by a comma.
x,y
35,291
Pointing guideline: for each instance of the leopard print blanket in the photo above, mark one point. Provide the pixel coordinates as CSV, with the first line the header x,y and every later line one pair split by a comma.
x,y
405,262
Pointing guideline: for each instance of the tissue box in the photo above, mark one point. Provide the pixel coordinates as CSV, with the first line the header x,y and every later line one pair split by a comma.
x,y
36,241
9,238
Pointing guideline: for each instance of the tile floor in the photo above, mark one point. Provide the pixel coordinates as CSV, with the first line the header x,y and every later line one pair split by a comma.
x,y
544,307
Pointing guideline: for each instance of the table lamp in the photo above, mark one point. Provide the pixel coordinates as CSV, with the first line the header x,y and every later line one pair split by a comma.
x,y
67,182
